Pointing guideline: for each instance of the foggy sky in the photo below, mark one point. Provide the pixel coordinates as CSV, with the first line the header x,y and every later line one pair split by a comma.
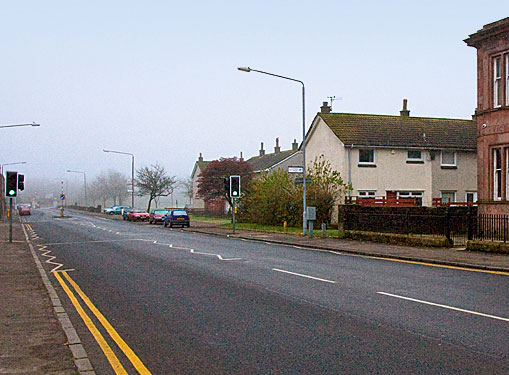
x,y
159,79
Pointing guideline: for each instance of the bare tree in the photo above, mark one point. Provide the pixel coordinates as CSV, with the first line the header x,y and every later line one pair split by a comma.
x,y
187,187
154,182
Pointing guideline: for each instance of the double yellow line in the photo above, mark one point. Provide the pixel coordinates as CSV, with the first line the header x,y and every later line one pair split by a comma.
x,y
108,352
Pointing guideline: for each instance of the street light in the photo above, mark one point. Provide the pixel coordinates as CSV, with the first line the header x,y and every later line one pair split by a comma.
x,y
132,172
2,165
248,70
14,126
84,181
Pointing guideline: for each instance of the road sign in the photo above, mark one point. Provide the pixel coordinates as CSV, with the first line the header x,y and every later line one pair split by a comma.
x,y
62,197
300,181
295,170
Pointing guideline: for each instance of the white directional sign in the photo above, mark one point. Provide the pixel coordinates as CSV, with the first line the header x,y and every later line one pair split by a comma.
x,y
295,170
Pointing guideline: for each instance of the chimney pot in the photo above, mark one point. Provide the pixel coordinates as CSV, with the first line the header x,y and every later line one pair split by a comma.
x,y
241,156
404,112
277,149
200,158
295,145
262,151
325,108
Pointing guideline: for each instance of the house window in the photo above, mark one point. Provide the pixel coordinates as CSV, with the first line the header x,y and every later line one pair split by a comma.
x,y
366,157
497,82
414,156
497,174
507,173
471,196
507,79
417,195
448,159
367,193
448,196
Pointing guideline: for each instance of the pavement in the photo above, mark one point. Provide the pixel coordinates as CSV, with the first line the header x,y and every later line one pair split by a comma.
x,y
32,340
453,257
31,337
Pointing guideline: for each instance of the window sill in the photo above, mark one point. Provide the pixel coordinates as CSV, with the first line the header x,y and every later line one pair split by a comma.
x,y
448,167
415,161
366,165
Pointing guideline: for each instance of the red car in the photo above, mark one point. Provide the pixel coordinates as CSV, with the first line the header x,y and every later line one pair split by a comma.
x,y
157,216
137,215
24,210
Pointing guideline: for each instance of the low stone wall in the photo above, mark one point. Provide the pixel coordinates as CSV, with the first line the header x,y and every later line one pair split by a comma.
x,y
488,246
97,209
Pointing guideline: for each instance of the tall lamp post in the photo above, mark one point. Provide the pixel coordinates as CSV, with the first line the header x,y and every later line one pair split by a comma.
x,y
132,172
84,182
248,70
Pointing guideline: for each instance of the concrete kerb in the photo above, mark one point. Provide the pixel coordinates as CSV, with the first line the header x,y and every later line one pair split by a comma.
x,y
79,354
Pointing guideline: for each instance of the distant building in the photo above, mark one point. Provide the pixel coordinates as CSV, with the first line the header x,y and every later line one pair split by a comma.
x,y
284,160
398,156
197,203
492,115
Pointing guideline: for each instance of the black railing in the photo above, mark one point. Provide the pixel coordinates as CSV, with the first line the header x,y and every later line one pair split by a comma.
x,y
491,228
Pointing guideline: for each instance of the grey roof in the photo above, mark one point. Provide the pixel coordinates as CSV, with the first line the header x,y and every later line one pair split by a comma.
x,y
267,161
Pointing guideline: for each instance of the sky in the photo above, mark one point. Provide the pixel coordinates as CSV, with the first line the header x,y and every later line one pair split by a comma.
x,y
159,78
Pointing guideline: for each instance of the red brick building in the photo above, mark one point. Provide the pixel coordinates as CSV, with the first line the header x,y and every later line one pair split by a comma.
x,y
492,115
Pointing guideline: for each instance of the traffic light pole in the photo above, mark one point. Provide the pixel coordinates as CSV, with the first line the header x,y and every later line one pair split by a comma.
x,y
10,220
233,214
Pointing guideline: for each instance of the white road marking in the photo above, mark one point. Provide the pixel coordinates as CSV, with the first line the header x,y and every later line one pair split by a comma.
x,y
301,275
97,241
214,255
445,306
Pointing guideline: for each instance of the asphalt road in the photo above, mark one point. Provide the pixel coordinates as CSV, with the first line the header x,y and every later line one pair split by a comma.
x,y
187,303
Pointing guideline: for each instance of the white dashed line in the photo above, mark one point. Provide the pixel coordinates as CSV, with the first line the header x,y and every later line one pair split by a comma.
x,y
445,306
301,275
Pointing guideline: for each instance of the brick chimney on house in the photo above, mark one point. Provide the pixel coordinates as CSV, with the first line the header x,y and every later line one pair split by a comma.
x,y
277,149
404,112
241,156
295,145
262,151
200,158
325,108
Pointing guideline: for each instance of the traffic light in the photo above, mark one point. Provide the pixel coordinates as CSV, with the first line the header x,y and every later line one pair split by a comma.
x,y
226,183
234,186
11,184
21,182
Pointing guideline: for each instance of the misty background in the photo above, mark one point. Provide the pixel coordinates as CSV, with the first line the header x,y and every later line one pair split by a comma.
x,y
159,79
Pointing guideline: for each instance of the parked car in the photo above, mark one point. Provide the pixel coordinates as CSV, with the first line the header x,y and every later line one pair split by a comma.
x,y
177,217
116,210
109,210
24,209
137,215
157,216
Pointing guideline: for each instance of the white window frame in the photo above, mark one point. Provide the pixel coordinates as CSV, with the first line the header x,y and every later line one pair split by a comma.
x,y
507,80
496,180
367,162
448,192
497,81
366,194
409,194
471,192
408,158
442,159
507,173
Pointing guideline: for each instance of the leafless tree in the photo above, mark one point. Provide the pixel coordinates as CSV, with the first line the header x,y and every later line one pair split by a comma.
x,y
154,182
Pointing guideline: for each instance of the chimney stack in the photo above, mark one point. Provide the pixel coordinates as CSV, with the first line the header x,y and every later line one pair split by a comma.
x,y
325,108
241,157
405,112
262,151
295,145
200,158
277,149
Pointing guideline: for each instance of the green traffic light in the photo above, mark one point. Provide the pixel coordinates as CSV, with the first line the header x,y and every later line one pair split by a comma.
x,y
11,192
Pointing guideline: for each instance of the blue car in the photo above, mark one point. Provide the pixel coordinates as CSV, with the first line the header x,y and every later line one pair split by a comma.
x,y
176,217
